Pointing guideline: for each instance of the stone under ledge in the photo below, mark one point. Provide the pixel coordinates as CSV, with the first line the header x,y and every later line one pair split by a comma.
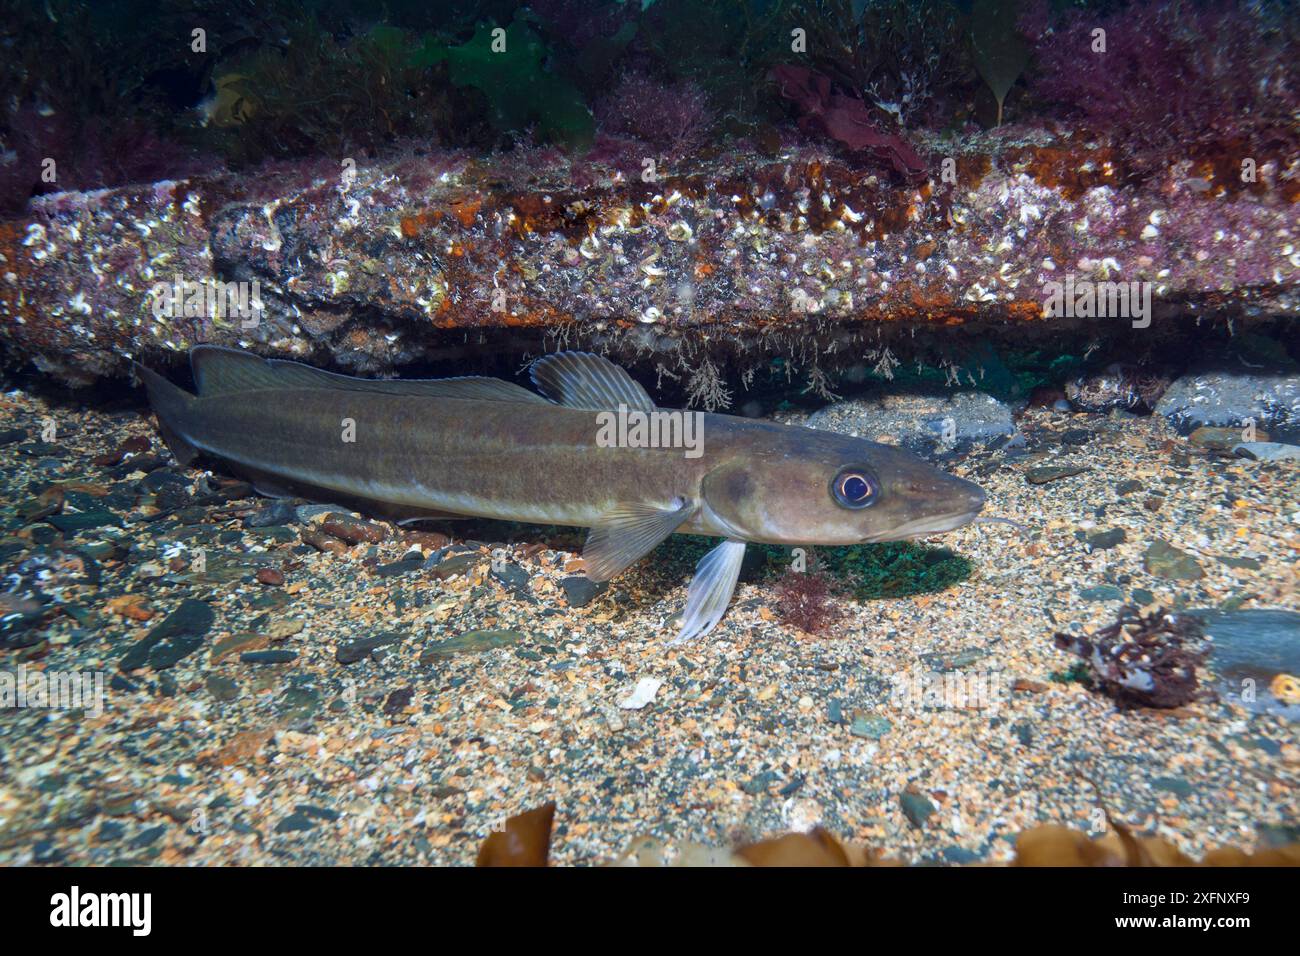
x,y
430,257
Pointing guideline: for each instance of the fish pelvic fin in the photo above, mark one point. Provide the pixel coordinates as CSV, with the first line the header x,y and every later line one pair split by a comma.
x,y
628,532
171,404
711,589
587,381
225,371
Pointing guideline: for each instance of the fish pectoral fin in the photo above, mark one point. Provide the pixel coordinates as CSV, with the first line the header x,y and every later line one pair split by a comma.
x,y
583,380
628,532
711,589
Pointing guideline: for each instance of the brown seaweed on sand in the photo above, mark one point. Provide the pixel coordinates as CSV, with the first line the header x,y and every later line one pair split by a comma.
x,y
1143,660
526,839
523,840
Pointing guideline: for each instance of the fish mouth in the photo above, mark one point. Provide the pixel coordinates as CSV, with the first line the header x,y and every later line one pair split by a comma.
x,y
930,525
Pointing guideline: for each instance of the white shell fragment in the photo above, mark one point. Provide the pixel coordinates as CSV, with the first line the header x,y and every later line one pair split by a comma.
x,y
644,693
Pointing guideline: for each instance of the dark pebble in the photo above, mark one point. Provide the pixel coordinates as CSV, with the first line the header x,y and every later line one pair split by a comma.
x,y
147,837
145,463
759,783
1103,540
473,642
1102,592
398,568
268,657
1164,560
580,591
1041,476
357,650
513,578
269,516
295,822
110,831
84,521
223,688
180,634
398,701
917,808
353,530
132,446
299,703
457,564
319,813
1175,785
46,852
270,577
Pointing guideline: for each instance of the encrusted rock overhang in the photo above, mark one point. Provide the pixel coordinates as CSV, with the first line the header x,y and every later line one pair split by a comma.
x,y
804,254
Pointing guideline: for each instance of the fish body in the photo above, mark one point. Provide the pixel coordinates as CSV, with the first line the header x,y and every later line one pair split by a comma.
x,y
486,448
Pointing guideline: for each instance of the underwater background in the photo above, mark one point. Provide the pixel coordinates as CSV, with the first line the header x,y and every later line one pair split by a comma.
x,y
1052,247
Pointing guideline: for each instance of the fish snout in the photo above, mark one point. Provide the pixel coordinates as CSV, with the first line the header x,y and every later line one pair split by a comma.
x,y
973,495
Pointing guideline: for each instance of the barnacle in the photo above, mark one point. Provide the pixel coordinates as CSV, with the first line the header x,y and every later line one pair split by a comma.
x,y
680,232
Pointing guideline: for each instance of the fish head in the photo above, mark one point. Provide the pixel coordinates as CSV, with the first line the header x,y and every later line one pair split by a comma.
x,y
828,489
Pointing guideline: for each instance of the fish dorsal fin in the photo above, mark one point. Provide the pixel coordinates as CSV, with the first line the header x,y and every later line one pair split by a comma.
x,y
223,371
628,532
583,380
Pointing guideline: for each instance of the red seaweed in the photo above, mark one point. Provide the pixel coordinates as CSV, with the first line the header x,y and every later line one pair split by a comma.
x,y
1143,660
844,118
804,599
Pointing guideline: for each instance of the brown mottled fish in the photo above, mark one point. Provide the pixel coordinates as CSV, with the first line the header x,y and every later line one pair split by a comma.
x,y
583,455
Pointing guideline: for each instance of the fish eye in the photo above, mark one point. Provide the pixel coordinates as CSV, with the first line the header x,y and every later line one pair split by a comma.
x,y
854,489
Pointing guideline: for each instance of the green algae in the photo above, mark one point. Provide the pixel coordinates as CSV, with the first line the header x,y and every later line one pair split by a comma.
x,y
508,65
865,572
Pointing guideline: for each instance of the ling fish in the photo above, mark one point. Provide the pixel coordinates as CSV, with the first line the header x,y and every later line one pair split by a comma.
x,y
484,447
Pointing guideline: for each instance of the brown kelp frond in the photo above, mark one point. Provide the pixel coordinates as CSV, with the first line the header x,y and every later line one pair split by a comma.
x,y
1143,660
525,840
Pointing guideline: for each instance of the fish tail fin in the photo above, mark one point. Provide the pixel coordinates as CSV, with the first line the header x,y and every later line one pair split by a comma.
x,y
171,403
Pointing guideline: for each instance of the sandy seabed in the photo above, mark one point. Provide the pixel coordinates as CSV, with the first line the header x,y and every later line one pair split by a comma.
x,y
243,737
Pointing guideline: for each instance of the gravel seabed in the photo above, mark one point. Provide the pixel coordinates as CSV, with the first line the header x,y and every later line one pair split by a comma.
x,y
756,729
